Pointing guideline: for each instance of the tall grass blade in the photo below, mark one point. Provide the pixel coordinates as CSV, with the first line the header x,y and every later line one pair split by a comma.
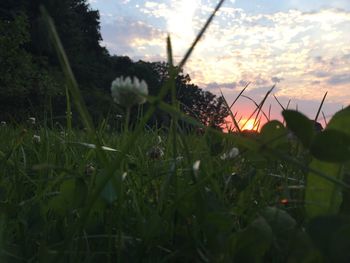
x,y
239,95
200,35
231,113
320,107
67,70
258,109
324,119
288,104
257,106
279,103
263,102
68,111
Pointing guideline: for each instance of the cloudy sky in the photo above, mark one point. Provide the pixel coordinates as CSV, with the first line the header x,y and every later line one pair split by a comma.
x,y
302,46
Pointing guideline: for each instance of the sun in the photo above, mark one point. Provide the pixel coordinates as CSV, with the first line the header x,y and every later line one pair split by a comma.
x,y
250,125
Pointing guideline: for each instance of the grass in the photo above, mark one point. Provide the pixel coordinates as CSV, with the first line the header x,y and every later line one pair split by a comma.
x,y
252,208
96,196
46,186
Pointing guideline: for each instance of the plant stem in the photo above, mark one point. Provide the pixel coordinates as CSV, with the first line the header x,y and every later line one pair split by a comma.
x,y
127,120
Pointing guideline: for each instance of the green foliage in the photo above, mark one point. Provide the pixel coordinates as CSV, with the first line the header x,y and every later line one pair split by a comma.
x,y
300,125
330,235
204,215
253,243
331,151
331,146
322,196
274,134
15,64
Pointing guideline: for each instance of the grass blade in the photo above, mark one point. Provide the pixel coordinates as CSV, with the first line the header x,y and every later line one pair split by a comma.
x,y
67,70
200,35
279,103
320,107
246,86
231,113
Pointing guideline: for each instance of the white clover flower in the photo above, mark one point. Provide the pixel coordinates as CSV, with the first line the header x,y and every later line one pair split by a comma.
x,y
196,165
179,158
233,153
32,120
36,138
127,92
124,175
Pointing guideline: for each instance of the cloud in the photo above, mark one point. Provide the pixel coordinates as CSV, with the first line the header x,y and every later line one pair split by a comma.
x,y
125,36
339,79
304,53
276,79
215,85
320,73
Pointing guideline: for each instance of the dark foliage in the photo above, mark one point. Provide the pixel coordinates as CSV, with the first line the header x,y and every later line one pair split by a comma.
x,y
31,81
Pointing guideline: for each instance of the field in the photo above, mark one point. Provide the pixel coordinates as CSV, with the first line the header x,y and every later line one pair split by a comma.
x,y
142,194
160,196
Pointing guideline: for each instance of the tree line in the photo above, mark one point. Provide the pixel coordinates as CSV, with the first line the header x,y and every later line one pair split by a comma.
x,y
32,83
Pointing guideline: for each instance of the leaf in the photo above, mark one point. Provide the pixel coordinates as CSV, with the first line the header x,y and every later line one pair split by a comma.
x,y
300,125
302,249
93,146
253,243
340,244
323,196
341,121
332,146
73,194
80,192
331,235
282,224
109,193
274,134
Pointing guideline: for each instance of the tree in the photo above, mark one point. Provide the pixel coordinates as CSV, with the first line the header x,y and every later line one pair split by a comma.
x,y
202,105
30,70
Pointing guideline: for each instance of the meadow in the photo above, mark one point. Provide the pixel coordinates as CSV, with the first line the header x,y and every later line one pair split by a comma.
x,y
160,197
169,195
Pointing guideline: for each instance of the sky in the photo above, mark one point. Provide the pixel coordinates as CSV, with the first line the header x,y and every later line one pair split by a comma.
x,y
300,46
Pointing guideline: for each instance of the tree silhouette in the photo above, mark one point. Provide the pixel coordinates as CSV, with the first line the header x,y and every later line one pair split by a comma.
x,y
30,71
